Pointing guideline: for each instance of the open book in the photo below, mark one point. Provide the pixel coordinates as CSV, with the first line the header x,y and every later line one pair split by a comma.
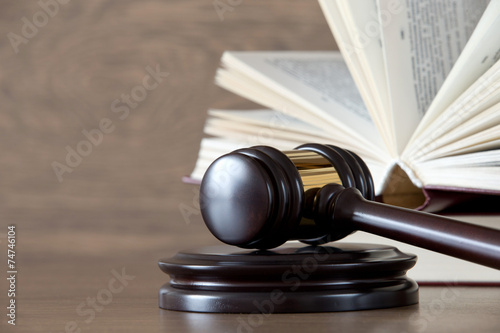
x,y
414,90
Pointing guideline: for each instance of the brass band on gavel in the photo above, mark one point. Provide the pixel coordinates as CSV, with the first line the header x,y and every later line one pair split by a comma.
x,y
314,170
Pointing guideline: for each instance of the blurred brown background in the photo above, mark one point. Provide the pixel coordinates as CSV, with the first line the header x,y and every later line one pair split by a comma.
x,y
63,65
65,78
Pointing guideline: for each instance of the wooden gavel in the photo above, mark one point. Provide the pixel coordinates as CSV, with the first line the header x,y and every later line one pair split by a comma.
x,y
261,197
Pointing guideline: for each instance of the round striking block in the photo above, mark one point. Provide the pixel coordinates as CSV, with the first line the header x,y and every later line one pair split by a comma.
x,y
291,278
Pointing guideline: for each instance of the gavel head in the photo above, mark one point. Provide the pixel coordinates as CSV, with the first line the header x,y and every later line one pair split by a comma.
x,y
261,197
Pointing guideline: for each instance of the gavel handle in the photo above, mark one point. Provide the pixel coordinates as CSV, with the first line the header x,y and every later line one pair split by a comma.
x,y
462,240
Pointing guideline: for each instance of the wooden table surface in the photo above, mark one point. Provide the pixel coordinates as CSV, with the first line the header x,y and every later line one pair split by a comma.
x,y
121,207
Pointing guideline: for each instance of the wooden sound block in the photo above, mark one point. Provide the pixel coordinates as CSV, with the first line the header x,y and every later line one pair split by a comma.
x,y
291,278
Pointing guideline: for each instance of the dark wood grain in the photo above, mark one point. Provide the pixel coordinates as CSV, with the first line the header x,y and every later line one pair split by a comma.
x,y
121,208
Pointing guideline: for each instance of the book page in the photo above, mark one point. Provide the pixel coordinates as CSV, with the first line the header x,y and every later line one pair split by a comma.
x,y
253,89
478,170
421,44
330,79
317,83
467,135
486,140
482,97
481,52
356,28
270,127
